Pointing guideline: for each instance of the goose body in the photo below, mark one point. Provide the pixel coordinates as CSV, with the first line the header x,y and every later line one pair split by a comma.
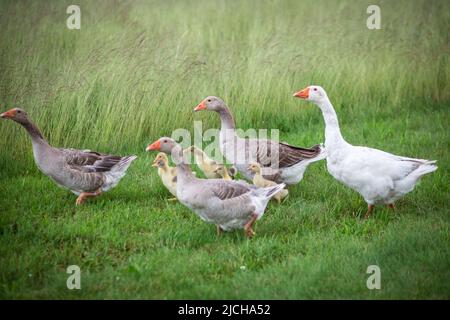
x,y
379,177
280,162
227,204
84,172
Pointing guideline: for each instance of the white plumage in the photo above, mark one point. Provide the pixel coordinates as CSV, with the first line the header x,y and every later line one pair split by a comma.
x,y
380,177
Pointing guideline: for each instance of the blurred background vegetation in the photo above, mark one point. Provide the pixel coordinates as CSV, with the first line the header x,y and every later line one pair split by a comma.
x,y
136,69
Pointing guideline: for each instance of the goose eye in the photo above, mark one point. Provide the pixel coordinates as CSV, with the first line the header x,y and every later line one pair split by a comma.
x,y
315,89
209,100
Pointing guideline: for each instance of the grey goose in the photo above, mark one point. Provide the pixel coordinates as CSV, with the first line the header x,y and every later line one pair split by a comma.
x,y
85,173
280,162
227,204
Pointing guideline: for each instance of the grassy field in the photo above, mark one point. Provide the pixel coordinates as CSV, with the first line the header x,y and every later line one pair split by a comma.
x,y
134,72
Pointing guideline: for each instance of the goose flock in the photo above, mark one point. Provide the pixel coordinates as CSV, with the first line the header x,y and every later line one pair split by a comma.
x,y
379,177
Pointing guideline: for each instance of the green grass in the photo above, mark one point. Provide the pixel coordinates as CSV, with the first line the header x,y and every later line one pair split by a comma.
x,y
135,71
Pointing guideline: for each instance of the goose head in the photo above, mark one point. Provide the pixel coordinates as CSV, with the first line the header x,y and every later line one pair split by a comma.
x,y
313,93
16,114
161,160
211,103
254,167
163,144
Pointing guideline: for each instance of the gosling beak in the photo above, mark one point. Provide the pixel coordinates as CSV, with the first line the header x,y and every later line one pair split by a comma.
x,y
201,106
8,114
154,146
302,94
155,163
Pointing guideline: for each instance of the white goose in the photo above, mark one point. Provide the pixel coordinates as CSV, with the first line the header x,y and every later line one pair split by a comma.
x,y
380,177
227,204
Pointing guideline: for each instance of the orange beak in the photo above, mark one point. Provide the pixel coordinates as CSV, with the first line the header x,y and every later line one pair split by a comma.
x,y
8,114
154,146
201,106
302,94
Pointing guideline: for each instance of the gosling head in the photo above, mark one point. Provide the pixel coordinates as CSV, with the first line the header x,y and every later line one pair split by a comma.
x,y
192,150
221,170
254,167
161,160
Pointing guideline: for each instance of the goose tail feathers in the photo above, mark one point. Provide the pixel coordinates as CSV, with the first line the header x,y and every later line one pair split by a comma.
x,y
117,172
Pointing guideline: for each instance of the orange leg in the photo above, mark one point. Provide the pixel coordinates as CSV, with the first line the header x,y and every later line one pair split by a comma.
x,y
391,205
248,226
369,210
82,197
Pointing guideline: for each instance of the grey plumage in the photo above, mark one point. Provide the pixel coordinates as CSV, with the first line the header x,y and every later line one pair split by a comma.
x,y
226,203
81,171
280,162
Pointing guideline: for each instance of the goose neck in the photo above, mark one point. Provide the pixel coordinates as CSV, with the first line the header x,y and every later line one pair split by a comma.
x,y
333,134
34,132
226,119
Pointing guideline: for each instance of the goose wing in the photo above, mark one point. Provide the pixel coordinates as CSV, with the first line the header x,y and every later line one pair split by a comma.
x,y
225,190
89,161
279,155
291,155
275,156
234,198
86,170
382,163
